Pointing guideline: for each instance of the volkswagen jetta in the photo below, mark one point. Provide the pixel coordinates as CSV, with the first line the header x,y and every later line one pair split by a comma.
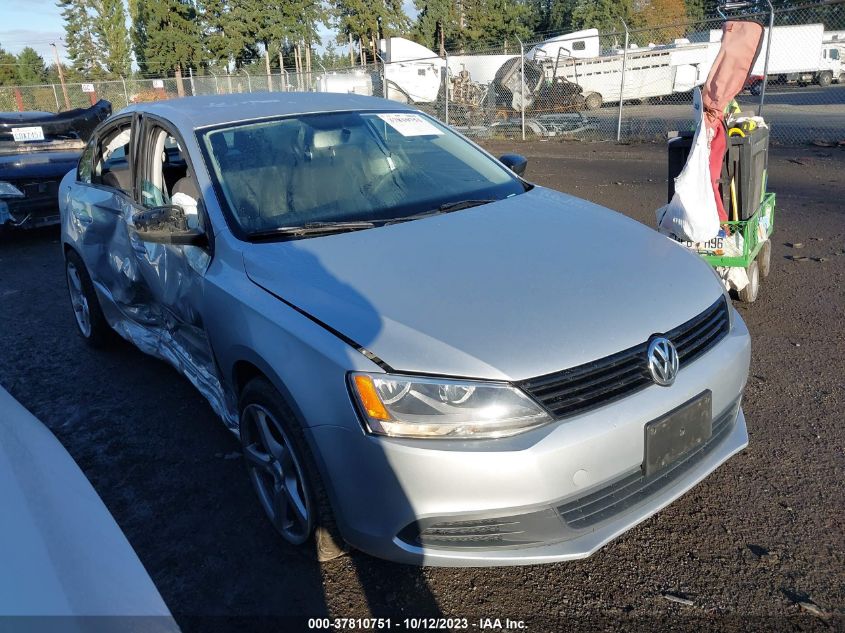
x,y
424,355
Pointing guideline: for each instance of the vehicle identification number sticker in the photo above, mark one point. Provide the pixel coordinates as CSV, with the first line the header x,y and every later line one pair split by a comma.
x,y
22,134
409,124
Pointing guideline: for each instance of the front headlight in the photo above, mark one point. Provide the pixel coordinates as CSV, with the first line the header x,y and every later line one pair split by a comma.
x,y
8,190
411,406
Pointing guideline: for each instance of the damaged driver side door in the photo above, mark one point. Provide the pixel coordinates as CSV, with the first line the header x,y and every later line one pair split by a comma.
x,y
172,245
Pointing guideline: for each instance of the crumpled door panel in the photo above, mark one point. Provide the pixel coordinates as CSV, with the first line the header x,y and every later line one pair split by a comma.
x,y
151,294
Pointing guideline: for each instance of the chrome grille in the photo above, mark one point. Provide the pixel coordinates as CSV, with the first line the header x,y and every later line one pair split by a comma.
x,y
634,488
603,381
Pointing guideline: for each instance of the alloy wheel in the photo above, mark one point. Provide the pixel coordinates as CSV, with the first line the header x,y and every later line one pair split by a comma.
x,y
78,300
276,474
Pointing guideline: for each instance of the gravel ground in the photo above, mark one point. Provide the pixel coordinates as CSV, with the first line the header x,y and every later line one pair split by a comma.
x,y
760,536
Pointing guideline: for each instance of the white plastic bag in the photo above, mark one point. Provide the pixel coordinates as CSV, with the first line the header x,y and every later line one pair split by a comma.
x,y
691,214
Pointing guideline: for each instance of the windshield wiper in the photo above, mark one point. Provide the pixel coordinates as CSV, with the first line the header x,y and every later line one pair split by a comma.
x,y
446,207
461,204
310,228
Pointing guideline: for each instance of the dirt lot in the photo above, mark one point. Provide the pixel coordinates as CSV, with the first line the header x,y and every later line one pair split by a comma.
x,y
762,534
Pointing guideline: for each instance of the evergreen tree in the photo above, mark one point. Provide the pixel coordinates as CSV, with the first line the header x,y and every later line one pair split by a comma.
x,y
552,17
109,23
604,15
31,68
139,15
362,19
83,47
493,23
173,38
8,68
230,30
436,23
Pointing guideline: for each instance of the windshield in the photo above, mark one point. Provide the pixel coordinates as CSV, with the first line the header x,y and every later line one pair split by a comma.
x,y
348,167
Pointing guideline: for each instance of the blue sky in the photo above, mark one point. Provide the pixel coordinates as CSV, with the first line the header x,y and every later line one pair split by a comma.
x,y
36,23
33,23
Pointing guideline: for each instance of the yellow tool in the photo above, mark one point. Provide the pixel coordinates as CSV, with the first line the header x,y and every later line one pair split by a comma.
x,y
734,211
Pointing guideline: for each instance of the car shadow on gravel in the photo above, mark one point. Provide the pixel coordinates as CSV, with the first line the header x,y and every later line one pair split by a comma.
x,y
169,471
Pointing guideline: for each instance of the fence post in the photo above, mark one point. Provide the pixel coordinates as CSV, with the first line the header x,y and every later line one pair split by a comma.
x,y
522,85
766,63
56,96
622,85
191,77
446,87
248,80
125,94
216,85
229,81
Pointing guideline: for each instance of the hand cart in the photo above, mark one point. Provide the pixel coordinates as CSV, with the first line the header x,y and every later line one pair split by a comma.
x,y
744,188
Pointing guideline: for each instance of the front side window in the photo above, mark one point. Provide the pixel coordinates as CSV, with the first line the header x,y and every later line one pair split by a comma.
x,y
347,167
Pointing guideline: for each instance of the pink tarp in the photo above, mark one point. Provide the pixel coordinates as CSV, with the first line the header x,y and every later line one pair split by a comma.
x,y
740,46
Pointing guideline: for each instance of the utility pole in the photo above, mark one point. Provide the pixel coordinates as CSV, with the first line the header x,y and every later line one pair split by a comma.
x,y
61,75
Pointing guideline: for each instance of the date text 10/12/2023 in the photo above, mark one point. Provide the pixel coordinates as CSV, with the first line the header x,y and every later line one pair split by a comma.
x,y
417,624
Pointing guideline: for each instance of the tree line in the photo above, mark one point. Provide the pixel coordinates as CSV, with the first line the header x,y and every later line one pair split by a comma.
x,y
168,37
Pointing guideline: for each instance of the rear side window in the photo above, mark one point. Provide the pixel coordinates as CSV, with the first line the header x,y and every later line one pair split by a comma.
x,y
111,166
86,162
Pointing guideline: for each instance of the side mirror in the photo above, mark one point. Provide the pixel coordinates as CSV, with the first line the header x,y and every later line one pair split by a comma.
x,y
515,162
167,225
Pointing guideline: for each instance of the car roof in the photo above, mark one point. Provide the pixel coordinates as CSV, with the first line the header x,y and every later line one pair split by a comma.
x,y
205,111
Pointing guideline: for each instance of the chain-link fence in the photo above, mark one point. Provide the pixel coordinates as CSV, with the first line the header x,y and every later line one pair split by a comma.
x,y
631,84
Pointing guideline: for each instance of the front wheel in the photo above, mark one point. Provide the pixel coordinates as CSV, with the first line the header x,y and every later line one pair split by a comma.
x,y
825,79
283,471
90,321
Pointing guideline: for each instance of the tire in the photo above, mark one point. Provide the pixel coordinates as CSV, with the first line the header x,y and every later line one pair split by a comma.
x,y
283,471
764,259
825,78
593,101
750,292
88,315
841,78
756,88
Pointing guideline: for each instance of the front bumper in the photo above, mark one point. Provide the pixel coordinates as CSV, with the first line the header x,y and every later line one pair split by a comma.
x,y
38,207
537,487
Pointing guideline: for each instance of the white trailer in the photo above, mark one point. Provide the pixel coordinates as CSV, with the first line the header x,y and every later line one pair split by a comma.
x,y
655,71
411,73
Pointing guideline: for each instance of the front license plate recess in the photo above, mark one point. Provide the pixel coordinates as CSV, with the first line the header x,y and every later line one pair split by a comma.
x,y
675,434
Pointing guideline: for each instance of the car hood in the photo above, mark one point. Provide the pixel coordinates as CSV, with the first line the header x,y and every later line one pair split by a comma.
x,y
514,289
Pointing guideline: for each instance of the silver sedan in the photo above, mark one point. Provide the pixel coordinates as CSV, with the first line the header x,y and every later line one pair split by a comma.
x,y
425,356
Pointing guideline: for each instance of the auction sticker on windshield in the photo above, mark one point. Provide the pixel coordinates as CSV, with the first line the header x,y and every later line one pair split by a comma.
x,y
409,124
22,134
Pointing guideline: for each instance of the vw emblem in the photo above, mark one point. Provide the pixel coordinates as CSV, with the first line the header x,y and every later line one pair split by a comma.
x,y
662,361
